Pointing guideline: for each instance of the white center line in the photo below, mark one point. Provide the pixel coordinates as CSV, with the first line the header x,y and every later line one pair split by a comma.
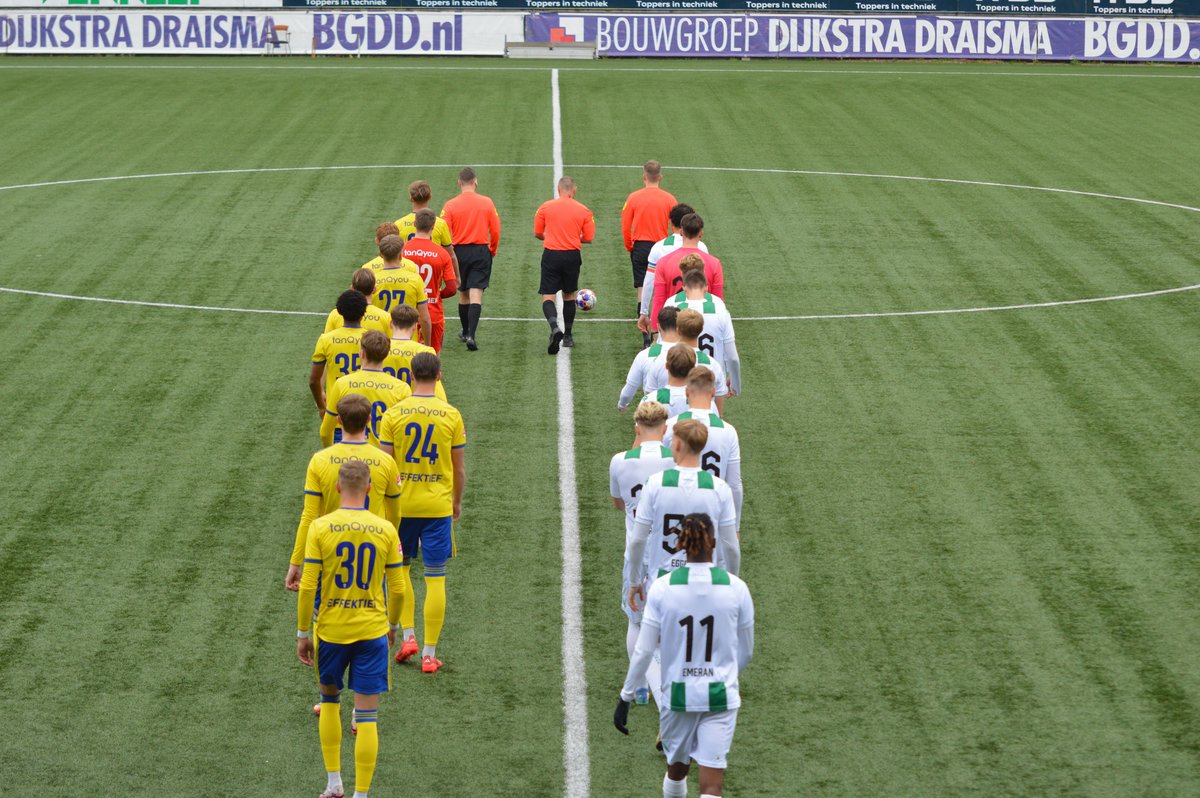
x,y
575,740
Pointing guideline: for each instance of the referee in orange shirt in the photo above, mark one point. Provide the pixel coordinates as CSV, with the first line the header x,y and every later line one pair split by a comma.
x,y
644,222
565,225
475,231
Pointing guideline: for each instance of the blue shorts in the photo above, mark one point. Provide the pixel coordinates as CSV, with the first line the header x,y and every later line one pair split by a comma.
x,y
433,537
367,660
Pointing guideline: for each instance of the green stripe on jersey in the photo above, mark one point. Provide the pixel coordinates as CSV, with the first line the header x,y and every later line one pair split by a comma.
x,y
704,479
715,421
702,358
663,396
719,576
717,700
654,351
679,576
633,454
669,240
679,697
686,415
663,572
665,451
709,308
671,478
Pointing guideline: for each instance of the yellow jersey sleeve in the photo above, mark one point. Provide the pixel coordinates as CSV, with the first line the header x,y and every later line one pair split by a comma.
x,y
321,351
387,428
314,562
377,319
459,433
312,509
333,321
330,422
441,233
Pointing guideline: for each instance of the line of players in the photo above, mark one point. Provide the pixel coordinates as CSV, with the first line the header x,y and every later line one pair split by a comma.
x,y
387,485
690,618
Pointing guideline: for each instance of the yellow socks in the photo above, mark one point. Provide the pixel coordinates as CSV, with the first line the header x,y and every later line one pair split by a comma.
x,y
329,725
366,748
408,604
435,607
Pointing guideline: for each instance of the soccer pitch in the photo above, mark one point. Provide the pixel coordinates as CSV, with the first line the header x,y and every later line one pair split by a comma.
x,y
972,537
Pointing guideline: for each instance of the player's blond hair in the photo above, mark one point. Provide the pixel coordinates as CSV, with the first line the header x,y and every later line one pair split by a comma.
x,y
390,247
375,346
702,380
653,170
363,281
354,476
354,410
386,229
692,434
681,359
419,191
405,317
424,220
650,415
689,323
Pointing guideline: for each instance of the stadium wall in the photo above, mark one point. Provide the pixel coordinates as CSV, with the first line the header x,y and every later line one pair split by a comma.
x,y
231,28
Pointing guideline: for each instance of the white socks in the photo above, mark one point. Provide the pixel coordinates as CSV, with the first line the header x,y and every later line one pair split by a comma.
x,y
430,651
358,794
408,633
335,779
674,789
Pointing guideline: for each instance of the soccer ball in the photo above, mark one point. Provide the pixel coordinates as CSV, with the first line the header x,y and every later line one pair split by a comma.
x,y
586,299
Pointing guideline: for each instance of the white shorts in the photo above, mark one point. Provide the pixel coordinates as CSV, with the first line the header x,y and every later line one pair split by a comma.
x,y
702,736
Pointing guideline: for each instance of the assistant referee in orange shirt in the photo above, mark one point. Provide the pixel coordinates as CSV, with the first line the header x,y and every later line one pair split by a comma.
x,y
645,220
475,230
565,225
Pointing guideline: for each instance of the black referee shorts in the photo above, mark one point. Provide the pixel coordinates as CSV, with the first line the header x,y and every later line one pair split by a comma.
x,y
560,270
639,256
474,265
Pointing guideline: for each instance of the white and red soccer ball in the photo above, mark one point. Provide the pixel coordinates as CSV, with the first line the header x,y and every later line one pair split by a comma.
x,y
585,299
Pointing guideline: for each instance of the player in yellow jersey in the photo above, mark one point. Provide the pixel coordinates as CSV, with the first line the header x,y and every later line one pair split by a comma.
x,y
427,438
374,318
420,194
381,389
320,481
404,348
337,352
348,555
399,283
381,231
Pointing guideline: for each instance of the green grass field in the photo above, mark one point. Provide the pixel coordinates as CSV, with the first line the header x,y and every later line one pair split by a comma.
x,y
972,538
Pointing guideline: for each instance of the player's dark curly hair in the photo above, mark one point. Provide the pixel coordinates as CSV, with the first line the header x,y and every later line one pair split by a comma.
x,y
697,536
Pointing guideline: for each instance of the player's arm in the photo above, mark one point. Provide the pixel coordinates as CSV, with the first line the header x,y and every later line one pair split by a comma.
x,y
316,379
391,495
745,630
305,599
331,320
733,475
494,230
589,230
614,487
729,547
648,285
426,323
329,421
635,548
539,223
633,381
458,459
733,366
386,435
627,226
449,278
716,286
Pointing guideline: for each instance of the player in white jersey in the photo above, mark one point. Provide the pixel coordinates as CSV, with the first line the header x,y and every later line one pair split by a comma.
x,y
666,498
636,380
627,472
681,359
717,339
688,324
722,454
669,244
700,619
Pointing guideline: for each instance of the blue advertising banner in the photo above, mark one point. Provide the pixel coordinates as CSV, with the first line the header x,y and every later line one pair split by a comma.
x,y
868,36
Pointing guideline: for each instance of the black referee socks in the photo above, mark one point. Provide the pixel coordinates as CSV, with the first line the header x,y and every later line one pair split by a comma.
x,y
551,313
473,311
462,316
568,315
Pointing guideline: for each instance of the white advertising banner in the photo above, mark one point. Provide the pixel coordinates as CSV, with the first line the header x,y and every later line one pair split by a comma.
x,y
234,33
